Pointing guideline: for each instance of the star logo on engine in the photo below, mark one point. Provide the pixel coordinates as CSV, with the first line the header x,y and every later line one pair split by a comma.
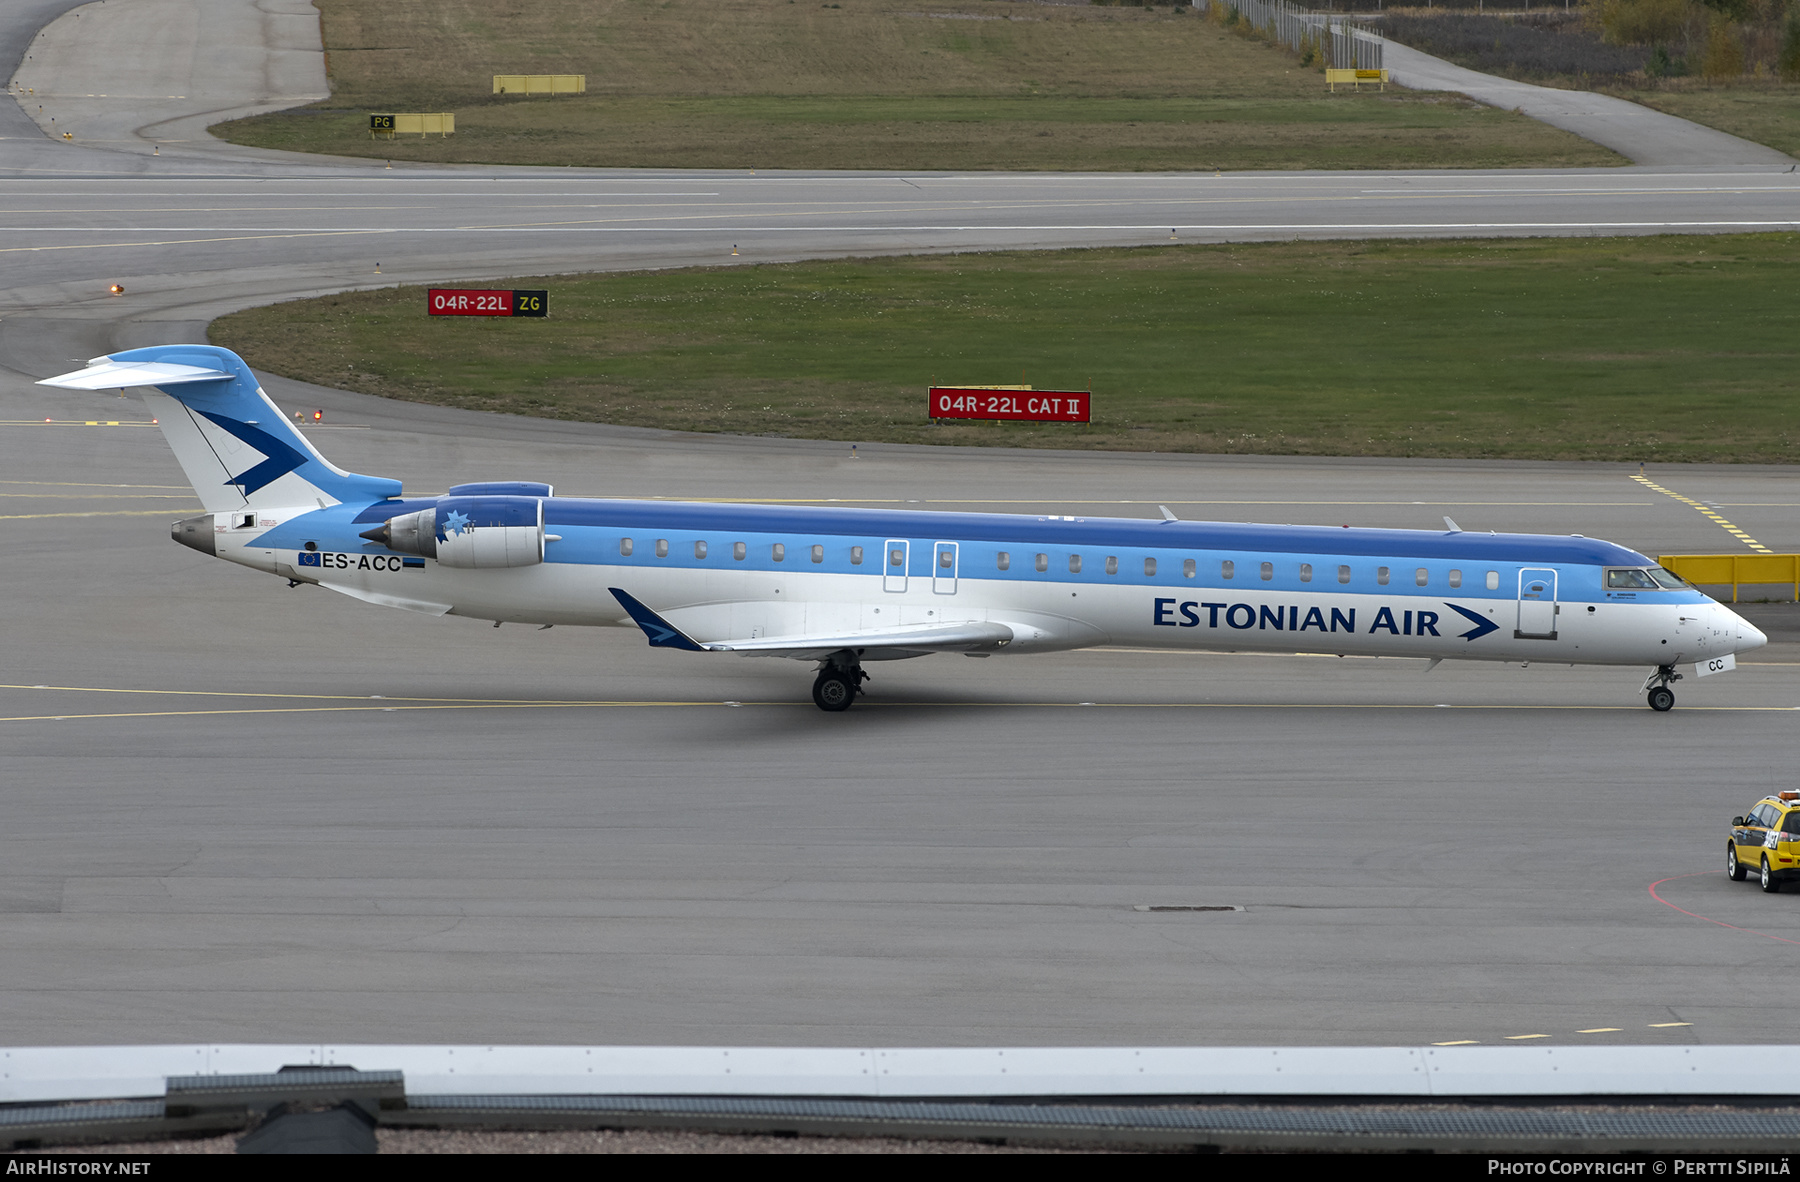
x,y
456,522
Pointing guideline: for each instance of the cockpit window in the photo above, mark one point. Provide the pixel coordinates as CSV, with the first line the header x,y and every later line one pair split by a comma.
x,y
1620,579
1669,579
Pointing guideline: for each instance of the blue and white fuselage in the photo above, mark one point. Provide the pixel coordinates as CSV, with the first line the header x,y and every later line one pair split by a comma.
x,y
846,586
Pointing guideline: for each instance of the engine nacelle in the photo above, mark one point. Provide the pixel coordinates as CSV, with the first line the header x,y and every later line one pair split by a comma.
x,y
470,532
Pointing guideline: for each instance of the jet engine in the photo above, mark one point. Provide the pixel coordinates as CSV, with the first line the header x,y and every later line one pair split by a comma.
x,y
471,532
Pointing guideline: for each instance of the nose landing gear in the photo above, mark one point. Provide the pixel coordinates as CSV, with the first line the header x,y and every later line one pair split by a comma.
x,y
1660,696
840,680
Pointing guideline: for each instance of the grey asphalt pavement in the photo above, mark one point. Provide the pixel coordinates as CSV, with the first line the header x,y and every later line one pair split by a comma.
x,y
1635,132
235,811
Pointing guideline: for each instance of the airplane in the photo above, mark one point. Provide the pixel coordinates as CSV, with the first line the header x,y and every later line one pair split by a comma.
x,y
843,587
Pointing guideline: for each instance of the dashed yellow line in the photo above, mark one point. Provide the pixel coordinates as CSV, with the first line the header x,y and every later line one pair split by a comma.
x,y
75,423
95,513
1708,512
86,484
1470,1042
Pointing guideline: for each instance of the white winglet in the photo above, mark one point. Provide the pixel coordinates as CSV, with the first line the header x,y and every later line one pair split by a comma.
x,y
1167,516
1454,528
103,373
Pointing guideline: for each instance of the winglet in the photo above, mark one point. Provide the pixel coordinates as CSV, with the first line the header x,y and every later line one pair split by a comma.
x,y
1167,516
662,634
1454,528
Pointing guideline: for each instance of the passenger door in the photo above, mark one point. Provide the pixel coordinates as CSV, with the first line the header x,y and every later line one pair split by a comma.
x,y
1537,605
894,556
943,568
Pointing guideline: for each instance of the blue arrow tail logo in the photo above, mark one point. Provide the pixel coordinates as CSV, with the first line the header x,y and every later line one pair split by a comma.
x,y
281,460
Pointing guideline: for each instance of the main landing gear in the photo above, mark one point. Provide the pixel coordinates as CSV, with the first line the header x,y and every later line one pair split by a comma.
x,y
840,680
1660,696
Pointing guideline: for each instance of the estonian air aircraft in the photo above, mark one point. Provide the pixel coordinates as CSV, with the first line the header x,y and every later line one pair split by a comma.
x,y
843,587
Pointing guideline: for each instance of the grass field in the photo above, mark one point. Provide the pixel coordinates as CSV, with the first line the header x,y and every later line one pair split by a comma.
x,y
1676,348
956,84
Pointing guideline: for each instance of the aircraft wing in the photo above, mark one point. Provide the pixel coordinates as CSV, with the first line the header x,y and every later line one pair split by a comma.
x,y
914,639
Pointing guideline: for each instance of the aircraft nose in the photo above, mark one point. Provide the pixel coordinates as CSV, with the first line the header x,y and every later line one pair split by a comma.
x,y
1749,636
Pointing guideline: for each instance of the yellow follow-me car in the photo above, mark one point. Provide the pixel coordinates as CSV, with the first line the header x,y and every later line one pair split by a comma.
x,y
1766,840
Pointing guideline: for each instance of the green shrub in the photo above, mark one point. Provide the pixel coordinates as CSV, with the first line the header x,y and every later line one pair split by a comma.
x,y
1787,63
1724,50
1644,22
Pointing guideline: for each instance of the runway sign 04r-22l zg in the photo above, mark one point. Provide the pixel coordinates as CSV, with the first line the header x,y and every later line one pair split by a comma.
x,y
453,301
1037,406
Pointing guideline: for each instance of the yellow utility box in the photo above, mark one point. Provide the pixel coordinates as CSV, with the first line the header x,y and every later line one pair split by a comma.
x,y
1355,78
1717,569
525,85
441,122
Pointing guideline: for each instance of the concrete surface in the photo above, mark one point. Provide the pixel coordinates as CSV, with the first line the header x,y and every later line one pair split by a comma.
x,y
1636,132
146,72
572,838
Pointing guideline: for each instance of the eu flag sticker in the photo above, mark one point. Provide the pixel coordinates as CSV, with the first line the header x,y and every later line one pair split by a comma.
x,y
309,558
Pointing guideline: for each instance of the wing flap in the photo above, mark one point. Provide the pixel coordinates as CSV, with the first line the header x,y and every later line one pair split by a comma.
x,y
913,639
380,600
923,638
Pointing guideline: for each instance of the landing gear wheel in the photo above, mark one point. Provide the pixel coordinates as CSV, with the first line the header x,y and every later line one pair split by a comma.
x,y
1734,869
1770,883
834,691
1661,699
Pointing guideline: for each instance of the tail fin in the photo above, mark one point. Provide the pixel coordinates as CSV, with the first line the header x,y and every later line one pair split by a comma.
x,y
237,449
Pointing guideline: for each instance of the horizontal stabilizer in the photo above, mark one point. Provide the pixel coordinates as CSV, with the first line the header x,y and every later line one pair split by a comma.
x,y
103,373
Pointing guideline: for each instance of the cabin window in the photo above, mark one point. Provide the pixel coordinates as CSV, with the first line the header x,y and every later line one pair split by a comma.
x,y
1189,569
662,547
1493,580
625,547
1456,578
778,552
1381,575
946,558
699,549
1421,576
1150,568
738,550
1227,569
1268,571
1343,574
1003,560
1074,564
1112,564
818,554
856,556
896,557
1306,572
1042,563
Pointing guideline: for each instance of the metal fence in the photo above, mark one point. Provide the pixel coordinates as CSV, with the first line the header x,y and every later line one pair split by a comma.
x,y
1340,42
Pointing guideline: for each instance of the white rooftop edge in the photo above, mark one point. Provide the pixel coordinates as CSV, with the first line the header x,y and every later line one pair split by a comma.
x,y
81,1073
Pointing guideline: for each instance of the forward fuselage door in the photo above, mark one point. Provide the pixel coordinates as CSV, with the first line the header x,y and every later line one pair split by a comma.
x,y
1537,604
894,564
943,568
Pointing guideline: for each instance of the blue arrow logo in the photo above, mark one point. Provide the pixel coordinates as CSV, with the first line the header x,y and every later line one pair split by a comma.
x,y
1482,627
281,460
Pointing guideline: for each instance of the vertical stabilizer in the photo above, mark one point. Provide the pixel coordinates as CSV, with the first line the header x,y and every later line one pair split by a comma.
x,y
238,450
